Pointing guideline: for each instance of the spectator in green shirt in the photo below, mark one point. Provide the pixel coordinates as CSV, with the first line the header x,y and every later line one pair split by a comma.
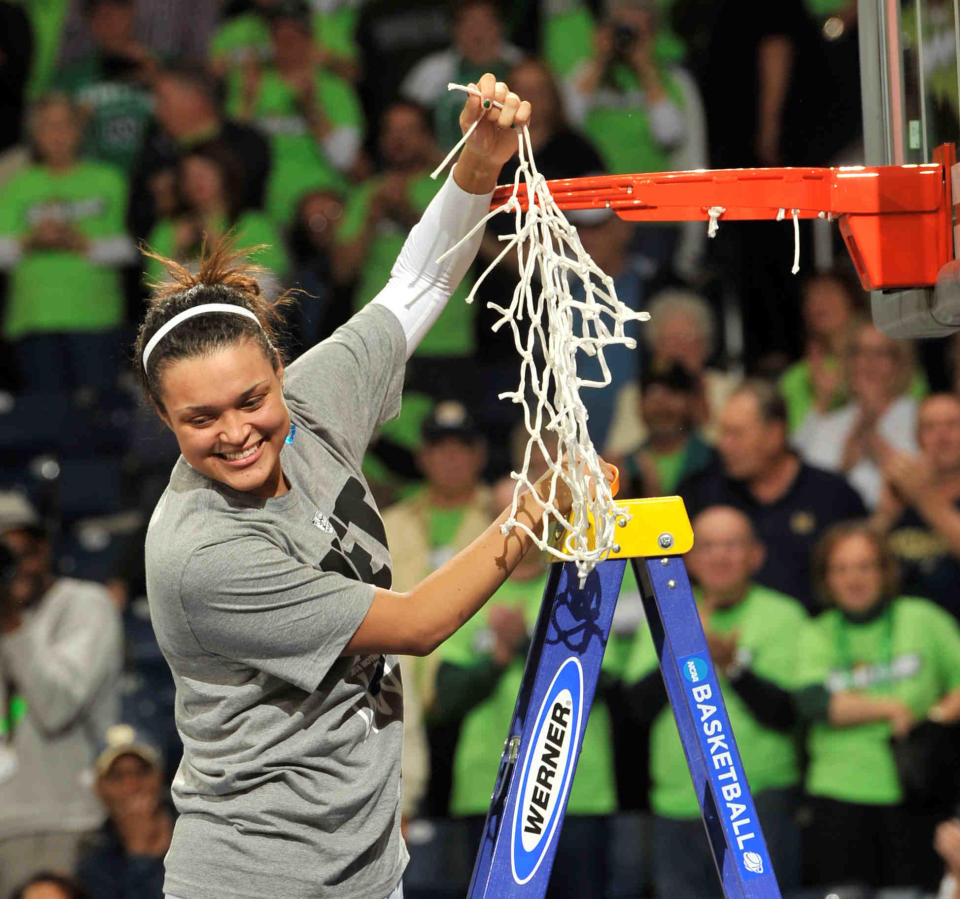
x,y
62,242
311,115
246,36
642,111
869,668
478,46
751,632
210,196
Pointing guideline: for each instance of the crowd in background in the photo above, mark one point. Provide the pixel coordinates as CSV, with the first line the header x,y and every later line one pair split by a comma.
x,y
819,460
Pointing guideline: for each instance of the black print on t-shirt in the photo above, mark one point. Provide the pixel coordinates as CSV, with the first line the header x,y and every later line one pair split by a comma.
x,y
352,510
381,701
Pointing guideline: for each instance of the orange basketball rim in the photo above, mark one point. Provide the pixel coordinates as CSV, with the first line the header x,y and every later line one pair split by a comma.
x,y
896,220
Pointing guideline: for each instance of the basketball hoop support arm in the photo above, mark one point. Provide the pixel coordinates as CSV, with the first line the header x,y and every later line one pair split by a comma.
x,y
896,220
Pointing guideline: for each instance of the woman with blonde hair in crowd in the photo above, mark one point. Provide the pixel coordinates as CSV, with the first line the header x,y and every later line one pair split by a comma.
x,y
871,667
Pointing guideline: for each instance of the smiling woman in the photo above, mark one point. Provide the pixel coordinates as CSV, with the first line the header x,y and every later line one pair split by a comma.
x,y
874,665
268,573
217,382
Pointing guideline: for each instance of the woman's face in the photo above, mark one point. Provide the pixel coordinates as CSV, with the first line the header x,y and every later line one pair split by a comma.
x,y
855,574
228,414
201,183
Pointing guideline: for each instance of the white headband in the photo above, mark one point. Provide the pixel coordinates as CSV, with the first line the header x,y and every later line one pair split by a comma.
x,y
167,327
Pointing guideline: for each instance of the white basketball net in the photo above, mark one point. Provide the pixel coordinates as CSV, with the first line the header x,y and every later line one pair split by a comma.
x,y
543,320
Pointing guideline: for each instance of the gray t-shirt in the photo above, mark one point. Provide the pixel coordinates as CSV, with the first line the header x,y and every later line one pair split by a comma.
x,y
290,779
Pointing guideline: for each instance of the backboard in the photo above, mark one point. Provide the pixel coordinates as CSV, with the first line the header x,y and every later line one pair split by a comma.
x,y
910,79
910,85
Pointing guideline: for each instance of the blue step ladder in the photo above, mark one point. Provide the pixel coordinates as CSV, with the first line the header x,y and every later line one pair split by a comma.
x,y
540,754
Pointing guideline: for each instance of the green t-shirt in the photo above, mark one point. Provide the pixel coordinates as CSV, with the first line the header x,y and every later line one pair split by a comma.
x,y
299,163
249,33
477,756
452,333
118,112
62,290
568,35
912,653
768,623
669,468
252,229
444,524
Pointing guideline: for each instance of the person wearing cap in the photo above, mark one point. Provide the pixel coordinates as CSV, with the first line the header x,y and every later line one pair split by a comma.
x,y
124,859
61,653
425,531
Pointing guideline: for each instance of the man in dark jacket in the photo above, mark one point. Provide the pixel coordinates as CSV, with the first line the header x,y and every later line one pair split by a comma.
x,y
789,503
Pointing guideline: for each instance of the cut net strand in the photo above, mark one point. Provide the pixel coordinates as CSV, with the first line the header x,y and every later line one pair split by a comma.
x,y
573,309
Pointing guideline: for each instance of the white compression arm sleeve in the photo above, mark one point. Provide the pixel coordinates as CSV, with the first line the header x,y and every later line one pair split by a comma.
x,y
419,287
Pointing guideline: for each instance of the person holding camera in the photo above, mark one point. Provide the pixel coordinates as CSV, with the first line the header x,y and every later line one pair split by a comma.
x,y
643,113
60,659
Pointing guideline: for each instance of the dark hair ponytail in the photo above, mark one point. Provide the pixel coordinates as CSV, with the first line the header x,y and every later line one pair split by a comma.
x,y
224,276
